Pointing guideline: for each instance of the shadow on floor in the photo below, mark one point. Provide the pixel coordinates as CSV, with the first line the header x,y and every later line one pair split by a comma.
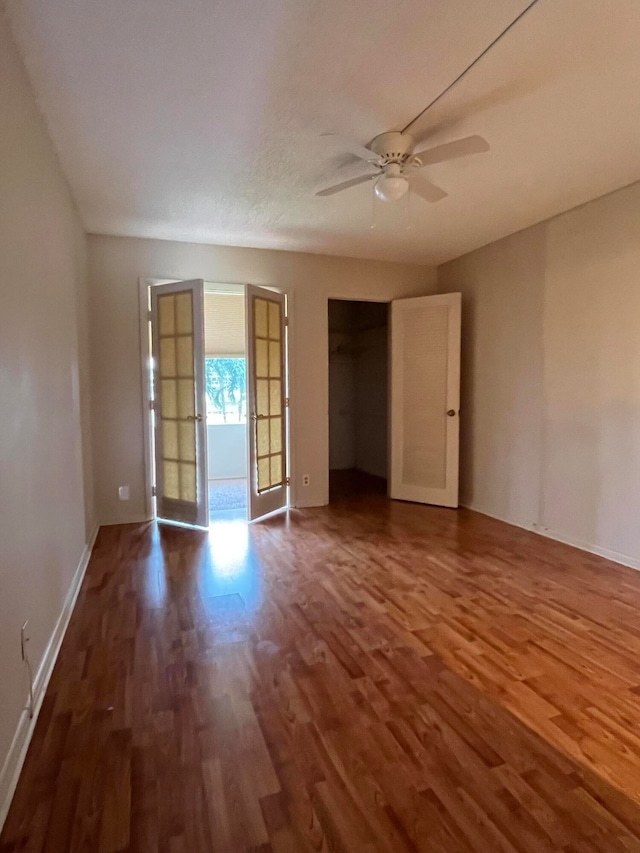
x,y
351,482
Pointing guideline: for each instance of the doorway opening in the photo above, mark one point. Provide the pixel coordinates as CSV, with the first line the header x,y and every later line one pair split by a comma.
x,y
225,369
358,397
215,401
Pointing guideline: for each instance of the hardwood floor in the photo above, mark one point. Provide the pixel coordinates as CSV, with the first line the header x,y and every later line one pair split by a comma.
x,y
372,676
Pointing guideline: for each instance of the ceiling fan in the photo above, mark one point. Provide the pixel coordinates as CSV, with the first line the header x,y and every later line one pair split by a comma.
x,y
390,158
394,165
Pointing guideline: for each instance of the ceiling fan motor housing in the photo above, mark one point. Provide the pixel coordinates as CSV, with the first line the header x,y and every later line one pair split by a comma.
x,y
392,147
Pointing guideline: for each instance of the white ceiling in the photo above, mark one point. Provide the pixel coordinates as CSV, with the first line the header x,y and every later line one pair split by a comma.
x,y
201,119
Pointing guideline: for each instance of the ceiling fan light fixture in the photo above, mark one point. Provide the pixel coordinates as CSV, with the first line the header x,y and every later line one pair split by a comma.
x,y
390,155
392,185
391,189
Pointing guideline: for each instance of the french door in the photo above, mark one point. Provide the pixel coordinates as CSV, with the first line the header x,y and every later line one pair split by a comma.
x,y
179,408
266,393
425,399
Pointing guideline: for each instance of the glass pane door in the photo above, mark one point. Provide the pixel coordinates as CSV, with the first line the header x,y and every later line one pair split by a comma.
x,y
180,442
267,397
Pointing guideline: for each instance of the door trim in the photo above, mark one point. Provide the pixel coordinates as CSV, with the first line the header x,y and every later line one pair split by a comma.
x,y
144,304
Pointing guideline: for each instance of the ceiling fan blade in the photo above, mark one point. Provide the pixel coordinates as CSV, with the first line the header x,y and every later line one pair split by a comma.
x,y
426,190
451,150
344,185
351,146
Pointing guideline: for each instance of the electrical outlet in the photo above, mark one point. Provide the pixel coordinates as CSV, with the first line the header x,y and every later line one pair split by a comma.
x,y
123,493
305,479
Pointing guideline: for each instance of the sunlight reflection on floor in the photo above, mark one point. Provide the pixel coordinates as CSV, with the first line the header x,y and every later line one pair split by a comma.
x,y
231,565
155,586
229,546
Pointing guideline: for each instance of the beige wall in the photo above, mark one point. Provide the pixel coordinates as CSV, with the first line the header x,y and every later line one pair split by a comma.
x,y
46,509
551,376
115,265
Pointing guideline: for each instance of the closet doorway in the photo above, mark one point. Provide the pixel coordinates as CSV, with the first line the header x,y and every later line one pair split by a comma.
x,y
358,397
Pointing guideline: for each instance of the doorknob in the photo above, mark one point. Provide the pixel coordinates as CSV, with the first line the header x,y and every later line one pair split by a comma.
x,y
451,413
194,417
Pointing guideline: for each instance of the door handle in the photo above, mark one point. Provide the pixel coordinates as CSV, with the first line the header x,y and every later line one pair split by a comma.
x,y
194,417
255,417
451,413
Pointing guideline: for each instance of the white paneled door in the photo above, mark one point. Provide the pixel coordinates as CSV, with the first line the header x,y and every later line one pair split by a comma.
x,y
266,391
179,406
425,399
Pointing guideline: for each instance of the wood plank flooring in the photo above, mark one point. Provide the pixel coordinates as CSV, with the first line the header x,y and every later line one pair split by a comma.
x,y
373,676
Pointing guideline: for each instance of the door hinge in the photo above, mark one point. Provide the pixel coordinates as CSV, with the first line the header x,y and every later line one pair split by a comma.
x,y
149,316
286,402
287,481
286,321
152,405
154,491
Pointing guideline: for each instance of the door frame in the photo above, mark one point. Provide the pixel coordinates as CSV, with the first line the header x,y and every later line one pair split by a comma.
x,y
388,301
145,283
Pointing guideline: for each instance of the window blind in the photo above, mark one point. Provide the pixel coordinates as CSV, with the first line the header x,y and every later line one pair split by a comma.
x,y
224,324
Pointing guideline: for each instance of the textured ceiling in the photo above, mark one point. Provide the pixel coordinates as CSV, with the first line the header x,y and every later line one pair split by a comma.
x,y
201,120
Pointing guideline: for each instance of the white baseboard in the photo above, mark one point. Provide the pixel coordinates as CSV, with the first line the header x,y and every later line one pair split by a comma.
x,y
308,503
534,527
10,772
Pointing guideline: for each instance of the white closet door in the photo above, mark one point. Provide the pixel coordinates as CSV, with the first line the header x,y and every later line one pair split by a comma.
x,y
179,402
425,399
